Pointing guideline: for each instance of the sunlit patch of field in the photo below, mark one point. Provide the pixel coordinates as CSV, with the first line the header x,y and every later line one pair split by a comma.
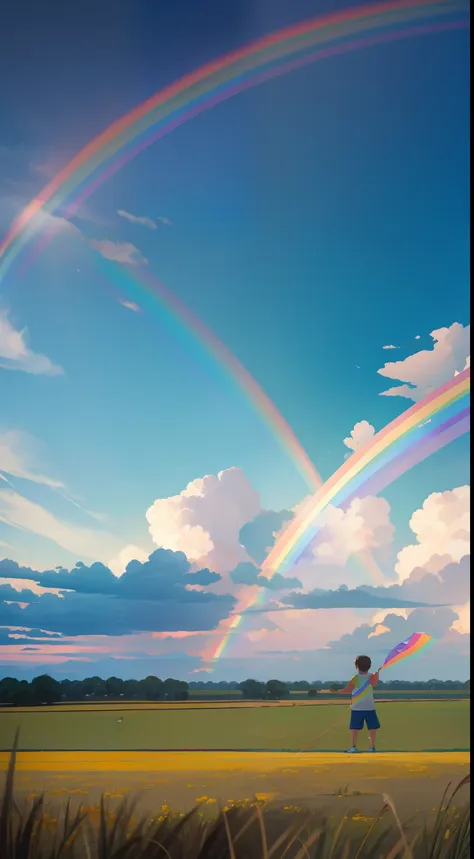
x,y
177,780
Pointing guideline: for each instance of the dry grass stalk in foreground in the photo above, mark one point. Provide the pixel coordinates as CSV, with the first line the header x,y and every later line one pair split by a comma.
x,y
239,833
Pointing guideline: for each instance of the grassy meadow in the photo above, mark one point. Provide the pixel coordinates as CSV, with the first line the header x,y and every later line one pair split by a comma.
x,y
258,799
413,726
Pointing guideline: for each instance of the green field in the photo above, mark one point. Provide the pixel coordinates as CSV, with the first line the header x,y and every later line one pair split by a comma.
x,y
406,726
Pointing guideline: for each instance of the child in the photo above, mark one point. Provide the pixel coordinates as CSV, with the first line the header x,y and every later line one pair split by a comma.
x,y
363,707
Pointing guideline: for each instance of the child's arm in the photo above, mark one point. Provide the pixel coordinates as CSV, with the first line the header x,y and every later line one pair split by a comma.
x,y
374,680
346,691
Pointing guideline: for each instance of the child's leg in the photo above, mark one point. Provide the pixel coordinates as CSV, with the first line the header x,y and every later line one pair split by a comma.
x,y
373,726
355,735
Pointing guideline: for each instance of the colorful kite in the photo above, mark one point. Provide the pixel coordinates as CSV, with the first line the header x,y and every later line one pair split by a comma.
x,y
406,648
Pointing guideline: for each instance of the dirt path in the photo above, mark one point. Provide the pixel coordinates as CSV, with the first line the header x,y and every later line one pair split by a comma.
x,y
333,782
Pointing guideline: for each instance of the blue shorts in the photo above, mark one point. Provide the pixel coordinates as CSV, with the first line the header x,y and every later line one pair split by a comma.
x,y
358,717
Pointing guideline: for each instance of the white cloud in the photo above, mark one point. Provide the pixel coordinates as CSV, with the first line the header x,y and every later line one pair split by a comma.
x,y
442,530
362,433
17,456
429,368
165,221
19,512
205,519
129,553
137,219
122,252
364,525
15,354
390,346
130,305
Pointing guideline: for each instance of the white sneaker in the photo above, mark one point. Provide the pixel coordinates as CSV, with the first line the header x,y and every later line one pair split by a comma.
x,y
352,751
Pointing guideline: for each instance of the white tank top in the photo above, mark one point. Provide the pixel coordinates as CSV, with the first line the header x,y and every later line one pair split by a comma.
x,y
366,700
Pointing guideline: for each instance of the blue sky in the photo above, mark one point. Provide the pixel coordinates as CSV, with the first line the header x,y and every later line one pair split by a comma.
x,y
314,220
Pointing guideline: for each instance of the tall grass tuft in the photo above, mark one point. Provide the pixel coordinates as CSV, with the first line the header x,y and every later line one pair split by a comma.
x,y
238,833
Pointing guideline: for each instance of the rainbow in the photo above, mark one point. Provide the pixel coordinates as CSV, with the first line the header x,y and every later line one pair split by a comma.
x,y
421,430
145,291
272,55
425,427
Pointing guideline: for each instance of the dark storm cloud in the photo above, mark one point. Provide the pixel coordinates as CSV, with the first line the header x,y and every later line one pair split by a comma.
x,y
246,574
149,597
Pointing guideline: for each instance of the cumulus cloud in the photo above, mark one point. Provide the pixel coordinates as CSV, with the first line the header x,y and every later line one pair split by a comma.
x,y
425,370
19,512
16,355
442,530
157,595
137,219
205,519
17,455
122,252
118,565
362,433
390,346
365,524
162,575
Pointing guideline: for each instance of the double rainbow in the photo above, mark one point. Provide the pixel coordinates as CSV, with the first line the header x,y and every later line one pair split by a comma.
x,y
424,428
275,54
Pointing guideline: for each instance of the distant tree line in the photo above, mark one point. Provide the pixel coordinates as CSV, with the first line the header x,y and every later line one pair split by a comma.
x,y
46,690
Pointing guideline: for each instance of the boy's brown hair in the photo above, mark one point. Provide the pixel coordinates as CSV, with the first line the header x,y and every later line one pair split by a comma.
x,y
363,663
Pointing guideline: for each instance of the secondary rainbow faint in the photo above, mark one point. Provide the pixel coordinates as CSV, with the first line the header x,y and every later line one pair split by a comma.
x,y
138,288
424,428
274,54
